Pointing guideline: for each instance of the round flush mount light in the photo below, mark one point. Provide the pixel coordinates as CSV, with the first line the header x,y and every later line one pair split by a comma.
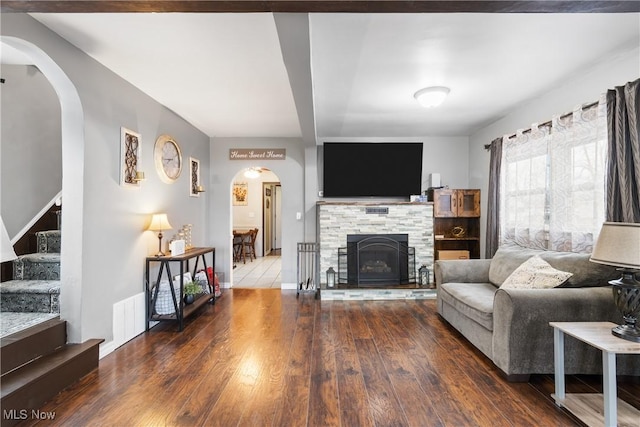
x,y
252,173
431,96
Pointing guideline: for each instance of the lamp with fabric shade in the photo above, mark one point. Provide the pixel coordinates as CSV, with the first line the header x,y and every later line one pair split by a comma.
x,y
6,248
159,222
619,245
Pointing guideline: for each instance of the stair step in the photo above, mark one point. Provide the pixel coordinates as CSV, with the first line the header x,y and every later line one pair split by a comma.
x,y
30,386
31,343
48,241
38,266
30,296
12,322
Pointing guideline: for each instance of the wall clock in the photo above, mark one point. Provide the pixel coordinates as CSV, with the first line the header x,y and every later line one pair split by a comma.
x,y
168,158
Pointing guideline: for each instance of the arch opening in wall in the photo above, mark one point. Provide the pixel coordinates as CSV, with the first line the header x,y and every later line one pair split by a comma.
x,y
72,134
256,204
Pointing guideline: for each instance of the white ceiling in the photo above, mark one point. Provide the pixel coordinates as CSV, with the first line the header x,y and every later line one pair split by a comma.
x,y
235,75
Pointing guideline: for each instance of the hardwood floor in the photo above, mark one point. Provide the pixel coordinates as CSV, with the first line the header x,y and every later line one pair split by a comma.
x,y
261,357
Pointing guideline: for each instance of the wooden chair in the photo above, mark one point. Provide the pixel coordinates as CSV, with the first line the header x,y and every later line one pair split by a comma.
x,y
250,244
238,249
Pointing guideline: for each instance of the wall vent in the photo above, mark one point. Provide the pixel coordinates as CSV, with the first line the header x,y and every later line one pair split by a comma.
x,y
377,210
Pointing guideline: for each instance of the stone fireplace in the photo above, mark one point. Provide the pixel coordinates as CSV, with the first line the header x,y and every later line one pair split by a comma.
x,y
344,224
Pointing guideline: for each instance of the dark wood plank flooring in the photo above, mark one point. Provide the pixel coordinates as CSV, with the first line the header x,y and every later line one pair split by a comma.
x,y
261,357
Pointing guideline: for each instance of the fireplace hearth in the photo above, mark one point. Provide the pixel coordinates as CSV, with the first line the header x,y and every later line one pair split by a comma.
x,y
376,260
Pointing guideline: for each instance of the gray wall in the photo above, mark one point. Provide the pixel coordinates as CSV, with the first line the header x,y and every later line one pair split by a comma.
x,y
291,174
30,145
586,87
114,243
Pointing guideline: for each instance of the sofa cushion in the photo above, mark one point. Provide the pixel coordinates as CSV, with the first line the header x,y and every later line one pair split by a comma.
x,y
474,300
505,261
535,273
585,273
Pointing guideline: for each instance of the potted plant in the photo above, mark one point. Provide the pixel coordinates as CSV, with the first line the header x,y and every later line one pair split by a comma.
x,y
191,289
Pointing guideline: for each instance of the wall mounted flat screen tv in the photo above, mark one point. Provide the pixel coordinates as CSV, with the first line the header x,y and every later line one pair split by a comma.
x,y
376,169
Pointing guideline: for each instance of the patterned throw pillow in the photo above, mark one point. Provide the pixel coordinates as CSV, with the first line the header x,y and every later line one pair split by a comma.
x,y
535,273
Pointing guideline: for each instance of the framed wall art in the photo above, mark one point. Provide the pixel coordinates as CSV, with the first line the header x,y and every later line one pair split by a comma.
x,y
240,194
194,182
130,146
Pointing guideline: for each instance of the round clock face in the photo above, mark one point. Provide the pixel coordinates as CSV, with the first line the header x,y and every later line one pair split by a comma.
x,y
168,158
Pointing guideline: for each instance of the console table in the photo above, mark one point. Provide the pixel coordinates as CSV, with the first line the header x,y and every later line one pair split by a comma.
x,y
594,409
181,310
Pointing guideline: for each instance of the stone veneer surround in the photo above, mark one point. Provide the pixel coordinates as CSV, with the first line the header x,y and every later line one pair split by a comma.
x,y
337,219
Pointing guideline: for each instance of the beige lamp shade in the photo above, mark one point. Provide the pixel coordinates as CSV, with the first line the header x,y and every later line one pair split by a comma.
x,y
159,222
618,245
6,248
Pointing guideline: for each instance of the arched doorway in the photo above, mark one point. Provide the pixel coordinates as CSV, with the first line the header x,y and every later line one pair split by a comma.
x,y
72,130
256,228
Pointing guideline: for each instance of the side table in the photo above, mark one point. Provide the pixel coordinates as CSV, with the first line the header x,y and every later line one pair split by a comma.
x,y
180,310
594,409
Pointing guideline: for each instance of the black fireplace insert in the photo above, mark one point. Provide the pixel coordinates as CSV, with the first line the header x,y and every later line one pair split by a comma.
x,y
377,260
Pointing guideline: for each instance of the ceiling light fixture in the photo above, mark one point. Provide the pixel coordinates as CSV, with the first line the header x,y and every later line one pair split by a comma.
x,y
431,96
252,173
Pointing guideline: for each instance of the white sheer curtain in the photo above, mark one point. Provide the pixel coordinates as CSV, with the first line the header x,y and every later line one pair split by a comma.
x,y
553,182
523,192
577,157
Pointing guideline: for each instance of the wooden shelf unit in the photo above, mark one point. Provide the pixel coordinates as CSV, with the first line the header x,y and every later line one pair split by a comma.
x,y
182,310
456,208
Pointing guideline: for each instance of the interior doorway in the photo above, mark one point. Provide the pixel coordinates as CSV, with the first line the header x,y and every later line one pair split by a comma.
x,y
256,198
272,202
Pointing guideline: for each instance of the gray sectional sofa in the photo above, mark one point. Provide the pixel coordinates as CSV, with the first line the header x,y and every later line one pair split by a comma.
x,y
511,326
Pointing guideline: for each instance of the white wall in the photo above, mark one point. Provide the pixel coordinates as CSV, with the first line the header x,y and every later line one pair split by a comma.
x,y
113,243
291,176
586,87
30,145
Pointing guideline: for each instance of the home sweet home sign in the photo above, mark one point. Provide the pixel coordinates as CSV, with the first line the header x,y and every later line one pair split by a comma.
x,y
257,153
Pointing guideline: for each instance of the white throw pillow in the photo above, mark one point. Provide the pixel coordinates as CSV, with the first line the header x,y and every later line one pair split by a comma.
x,y
535,273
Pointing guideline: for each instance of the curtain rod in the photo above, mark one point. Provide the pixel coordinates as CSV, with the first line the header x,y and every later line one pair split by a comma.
x,y
547,123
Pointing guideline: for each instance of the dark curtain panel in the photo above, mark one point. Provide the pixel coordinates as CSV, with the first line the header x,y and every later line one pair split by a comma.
x,y
623,165
493,199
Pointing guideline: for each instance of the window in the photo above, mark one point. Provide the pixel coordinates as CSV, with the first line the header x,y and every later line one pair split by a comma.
x,y
552,189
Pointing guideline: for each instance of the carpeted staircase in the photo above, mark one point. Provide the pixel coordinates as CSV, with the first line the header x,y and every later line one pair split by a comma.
x,y
35,287
36,362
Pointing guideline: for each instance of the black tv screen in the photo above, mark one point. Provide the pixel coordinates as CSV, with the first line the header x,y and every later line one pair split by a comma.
x,y
376,169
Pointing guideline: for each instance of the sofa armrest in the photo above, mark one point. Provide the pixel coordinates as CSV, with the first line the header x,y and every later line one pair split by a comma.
x,y
462,271
523,339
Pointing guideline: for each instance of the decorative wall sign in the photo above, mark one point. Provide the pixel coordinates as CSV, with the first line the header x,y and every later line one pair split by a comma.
x,y
194,182
130,144
257,153
240,194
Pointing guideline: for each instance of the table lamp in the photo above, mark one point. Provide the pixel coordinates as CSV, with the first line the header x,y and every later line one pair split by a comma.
x,y
619,245
159,222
